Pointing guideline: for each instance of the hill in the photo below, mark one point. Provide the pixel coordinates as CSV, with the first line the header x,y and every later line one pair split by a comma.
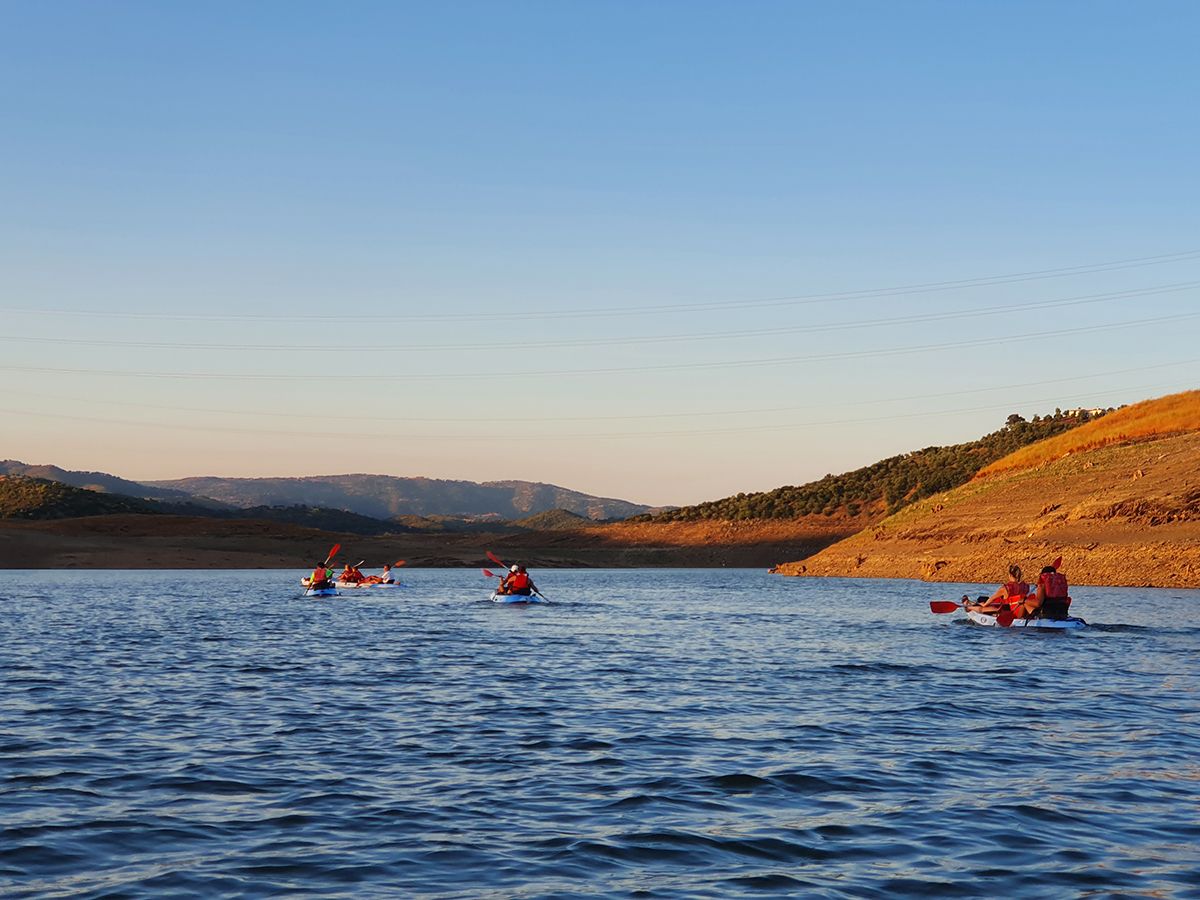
x,y
22,497
552,520
1174,414
39,499
386,496
1118,498
883,487
100,482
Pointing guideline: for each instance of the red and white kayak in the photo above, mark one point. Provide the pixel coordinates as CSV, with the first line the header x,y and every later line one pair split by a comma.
x,y
361,585
1068,624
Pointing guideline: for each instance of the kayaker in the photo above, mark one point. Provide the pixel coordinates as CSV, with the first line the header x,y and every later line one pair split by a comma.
x,y
386,577
320,577
517,581
1012,594
1051,600
351,575
506,581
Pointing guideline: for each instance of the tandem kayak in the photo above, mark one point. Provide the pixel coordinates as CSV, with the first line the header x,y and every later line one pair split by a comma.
x,y
360,585
1069,624
517,598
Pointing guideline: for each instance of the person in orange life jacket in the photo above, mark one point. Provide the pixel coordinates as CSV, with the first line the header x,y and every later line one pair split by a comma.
x,y
1051,599
517,581
350,574
1010,593
320,577
1007,594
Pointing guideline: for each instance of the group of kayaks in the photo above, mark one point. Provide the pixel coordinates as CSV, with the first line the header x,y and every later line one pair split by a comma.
x,y
514,594
339,586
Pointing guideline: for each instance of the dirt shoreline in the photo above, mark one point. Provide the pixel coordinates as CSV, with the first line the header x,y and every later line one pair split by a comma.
x,y
158,542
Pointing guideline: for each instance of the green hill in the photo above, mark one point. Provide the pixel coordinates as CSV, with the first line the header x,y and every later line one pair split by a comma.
x,y
38,498
883,487
553,520
22,497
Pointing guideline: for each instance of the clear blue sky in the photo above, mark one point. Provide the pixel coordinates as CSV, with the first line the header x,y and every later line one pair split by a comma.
x,y
613,246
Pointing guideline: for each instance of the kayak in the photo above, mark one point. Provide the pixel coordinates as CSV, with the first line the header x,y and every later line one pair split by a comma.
x,y
517,598
359,585
1068,624
320,592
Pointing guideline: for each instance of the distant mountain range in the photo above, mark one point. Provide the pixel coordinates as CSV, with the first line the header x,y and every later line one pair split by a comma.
x,y
380,497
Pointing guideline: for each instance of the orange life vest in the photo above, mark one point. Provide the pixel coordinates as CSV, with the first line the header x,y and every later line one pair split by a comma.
x,y
1016,589
519,582
1055,584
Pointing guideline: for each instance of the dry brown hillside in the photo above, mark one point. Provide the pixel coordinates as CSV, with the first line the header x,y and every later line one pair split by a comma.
x,y
1174,414
1123,514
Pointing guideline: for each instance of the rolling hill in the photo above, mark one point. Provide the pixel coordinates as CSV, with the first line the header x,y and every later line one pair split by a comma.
x,y
1118,498
884,487
386,496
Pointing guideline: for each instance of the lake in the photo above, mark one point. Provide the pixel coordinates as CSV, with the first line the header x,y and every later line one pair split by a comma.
x,y
658,734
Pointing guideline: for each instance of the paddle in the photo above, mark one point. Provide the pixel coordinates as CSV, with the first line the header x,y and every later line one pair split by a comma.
x,y
944,606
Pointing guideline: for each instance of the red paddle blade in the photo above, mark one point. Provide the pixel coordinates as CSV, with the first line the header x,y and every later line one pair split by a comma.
x,y
333,552
1058,562
944,606
1004,618
494,558
490,574
397,564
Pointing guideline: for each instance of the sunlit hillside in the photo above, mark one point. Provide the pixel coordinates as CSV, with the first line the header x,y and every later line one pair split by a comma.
x,y
1173,414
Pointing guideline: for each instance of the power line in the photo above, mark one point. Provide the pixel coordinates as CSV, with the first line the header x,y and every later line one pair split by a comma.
x,y
525,436
615,370
919,318
259,414
658,309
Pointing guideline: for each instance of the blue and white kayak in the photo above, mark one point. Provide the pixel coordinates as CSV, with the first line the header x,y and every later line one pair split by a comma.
x,y
362,585
1068,624
517,598
317,592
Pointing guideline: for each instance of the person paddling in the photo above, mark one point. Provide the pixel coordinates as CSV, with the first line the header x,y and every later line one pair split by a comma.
x,y
1051,600
320,578
351,575
517,581
1011,594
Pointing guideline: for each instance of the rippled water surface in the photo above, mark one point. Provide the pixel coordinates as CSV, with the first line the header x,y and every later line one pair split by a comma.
x,y
684,733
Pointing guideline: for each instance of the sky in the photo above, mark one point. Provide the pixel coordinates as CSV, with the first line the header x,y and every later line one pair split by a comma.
x,y
662,251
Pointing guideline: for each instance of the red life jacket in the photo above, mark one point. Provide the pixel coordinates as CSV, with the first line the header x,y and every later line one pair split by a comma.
x,y
1055,584
1016,589
518,582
